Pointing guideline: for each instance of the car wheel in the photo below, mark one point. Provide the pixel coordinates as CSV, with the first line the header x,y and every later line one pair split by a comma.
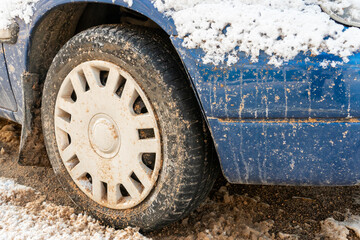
x,y
123,130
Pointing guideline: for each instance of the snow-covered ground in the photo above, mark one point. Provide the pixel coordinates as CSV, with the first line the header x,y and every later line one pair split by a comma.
x,y
24,214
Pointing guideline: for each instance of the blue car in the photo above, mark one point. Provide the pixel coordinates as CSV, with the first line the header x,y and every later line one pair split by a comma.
x,y
137,126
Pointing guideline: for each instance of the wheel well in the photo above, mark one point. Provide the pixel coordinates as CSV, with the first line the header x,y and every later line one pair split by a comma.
x,y
65,21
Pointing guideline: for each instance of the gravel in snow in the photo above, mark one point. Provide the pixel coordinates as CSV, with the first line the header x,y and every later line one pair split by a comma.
x,y
25,215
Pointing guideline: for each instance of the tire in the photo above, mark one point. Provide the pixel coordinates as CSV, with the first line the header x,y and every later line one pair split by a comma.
x,y
182,170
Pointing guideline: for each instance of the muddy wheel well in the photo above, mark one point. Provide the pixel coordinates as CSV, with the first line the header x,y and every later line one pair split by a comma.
x,y
63,22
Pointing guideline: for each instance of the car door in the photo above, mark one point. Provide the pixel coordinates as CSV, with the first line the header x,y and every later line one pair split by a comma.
x,y
7,99
298,90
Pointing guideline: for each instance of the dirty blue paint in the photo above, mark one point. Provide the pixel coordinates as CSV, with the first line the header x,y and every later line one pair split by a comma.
x,y
16,59
7,100
259,152
255,151
298,89
289,153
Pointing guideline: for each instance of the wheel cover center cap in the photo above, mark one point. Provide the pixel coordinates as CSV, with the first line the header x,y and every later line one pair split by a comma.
x,y
104,136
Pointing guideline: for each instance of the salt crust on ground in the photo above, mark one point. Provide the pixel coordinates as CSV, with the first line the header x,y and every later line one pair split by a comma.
x,y
25,215
282,29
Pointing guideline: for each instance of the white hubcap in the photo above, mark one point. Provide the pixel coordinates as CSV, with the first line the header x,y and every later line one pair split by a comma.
x,y
107,135
104,136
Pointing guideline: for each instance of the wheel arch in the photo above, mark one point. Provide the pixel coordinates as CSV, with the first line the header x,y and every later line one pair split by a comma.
x,y
54,23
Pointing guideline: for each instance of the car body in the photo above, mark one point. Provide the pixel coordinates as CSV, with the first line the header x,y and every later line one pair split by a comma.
x,y
297,124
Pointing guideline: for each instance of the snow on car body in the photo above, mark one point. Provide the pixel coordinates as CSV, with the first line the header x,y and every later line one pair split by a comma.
x,y
294,123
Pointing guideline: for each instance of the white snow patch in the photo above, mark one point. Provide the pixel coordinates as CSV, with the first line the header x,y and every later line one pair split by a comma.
x,y
333,229
9,188
25,215
129,2
11,9
339,230
282,29
325,63
338,6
